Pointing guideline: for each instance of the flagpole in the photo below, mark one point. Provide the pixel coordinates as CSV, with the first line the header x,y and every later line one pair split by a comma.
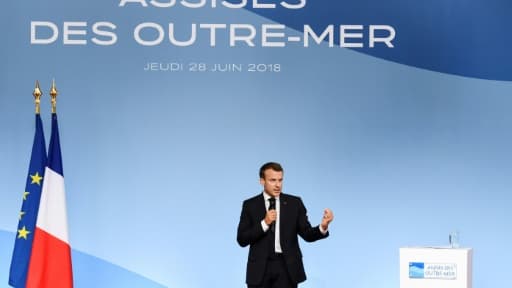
x,y
53,94
37,97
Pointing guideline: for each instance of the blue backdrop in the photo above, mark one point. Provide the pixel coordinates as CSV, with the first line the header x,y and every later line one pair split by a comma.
x,y
404,144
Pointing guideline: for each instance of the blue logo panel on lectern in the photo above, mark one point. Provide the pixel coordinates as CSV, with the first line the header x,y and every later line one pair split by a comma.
x,y
416,270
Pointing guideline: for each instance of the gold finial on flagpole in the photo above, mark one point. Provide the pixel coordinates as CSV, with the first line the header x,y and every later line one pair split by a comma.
x,y
37,97
53,94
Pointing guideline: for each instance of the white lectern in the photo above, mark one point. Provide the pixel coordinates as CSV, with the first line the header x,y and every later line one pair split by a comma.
x,y
435,267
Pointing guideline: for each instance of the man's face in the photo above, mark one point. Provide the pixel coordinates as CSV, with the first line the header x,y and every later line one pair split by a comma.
x,y
272,182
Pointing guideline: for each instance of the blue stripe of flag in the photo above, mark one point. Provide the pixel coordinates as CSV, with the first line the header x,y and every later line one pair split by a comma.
x,y
54,154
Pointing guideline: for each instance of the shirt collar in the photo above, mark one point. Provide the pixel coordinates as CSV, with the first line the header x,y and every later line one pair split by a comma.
x,y
266,196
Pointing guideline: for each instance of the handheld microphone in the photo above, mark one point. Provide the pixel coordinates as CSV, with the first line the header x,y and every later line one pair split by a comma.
x,y
272,206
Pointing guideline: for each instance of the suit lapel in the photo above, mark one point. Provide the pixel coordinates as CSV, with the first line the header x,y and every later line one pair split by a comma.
x,y
284,212
262,209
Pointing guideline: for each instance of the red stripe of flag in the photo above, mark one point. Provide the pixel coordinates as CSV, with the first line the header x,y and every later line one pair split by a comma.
x,y
50,262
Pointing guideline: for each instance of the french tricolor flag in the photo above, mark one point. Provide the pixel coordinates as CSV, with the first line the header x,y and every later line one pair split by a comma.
x,y
50,260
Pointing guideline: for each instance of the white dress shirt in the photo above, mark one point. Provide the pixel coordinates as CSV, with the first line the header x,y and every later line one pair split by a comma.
x,y
266,227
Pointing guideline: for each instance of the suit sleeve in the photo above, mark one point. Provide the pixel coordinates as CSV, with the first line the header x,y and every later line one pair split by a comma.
x,y
308,233
249,228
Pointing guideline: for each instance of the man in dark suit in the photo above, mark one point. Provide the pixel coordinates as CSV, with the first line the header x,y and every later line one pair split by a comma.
x,y
270,223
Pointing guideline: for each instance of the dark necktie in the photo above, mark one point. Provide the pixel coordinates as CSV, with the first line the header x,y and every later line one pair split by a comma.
x,y
272,206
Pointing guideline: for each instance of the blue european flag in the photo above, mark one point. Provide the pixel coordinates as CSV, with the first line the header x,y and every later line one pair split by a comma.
x,y
29,209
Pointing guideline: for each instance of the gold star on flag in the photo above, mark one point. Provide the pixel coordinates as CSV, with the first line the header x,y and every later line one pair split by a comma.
x,y
21,214
23,233
36,179
25,194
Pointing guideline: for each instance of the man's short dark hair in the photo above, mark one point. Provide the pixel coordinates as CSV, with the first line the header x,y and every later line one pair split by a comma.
x,y
270,165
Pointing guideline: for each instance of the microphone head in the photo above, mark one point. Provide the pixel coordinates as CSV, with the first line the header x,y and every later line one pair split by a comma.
x,y
272,203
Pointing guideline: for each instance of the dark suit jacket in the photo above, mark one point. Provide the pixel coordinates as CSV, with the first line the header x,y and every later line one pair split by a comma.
x,y
293,222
